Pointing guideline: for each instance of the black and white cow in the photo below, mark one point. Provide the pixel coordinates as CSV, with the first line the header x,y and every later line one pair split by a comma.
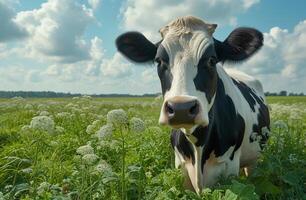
x,y
219,117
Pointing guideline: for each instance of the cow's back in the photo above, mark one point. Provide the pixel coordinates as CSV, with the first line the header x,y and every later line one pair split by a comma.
x,y
247,79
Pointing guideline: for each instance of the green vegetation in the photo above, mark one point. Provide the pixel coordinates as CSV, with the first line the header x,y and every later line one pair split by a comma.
x,y
88,148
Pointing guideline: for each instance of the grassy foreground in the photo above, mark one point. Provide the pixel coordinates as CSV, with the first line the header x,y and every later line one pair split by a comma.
x,y
112,148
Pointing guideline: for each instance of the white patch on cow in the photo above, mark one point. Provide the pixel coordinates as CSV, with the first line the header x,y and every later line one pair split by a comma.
x,y
215,167
247,79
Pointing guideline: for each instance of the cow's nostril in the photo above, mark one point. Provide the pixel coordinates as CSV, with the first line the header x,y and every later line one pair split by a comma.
x,y
194,109
169,108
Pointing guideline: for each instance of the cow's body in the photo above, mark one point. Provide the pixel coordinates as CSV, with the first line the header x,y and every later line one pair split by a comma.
x,y
234,137
220,121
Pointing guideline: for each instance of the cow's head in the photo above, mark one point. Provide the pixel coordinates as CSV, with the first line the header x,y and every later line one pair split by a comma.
x,y
186,61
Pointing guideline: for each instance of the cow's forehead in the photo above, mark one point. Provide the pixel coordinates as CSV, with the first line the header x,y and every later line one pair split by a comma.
x,y
185,25
192,45
187,36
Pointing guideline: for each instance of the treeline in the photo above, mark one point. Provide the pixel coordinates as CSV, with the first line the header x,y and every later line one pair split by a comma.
x,y
284,93
50,94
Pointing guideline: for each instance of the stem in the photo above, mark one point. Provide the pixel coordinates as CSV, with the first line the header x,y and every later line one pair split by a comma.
x,y
123,167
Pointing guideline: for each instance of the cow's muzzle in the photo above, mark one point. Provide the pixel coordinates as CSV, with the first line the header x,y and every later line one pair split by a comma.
x,y
180,112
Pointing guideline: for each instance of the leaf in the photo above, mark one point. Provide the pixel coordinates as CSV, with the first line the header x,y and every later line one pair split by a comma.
x,y
291,178
244,192
229,195
264,186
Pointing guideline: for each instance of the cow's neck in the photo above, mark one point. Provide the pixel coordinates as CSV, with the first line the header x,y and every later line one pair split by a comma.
x,y
210,142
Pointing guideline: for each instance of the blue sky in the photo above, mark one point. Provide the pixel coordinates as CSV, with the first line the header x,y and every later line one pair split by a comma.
x,y
68,46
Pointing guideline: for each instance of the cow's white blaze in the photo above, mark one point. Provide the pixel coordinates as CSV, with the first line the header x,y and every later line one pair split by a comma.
x,y
185,51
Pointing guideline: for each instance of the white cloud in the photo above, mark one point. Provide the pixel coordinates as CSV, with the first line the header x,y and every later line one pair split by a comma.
x,y
281,63
9,29
97,56
150,15
94,3
117,67
149,75
56,30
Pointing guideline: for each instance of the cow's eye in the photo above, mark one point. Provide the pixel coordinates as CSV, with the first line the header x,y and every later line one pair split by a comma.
x,y
161,63
158,61
212,61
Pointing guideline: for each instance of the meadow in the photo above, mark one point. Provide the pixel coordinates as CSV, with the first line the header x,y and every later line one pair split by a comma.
x,y
113,148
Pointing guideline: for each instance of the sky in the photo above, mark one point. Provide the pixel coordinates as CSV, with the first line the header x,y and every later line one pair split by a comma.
x,y
68,45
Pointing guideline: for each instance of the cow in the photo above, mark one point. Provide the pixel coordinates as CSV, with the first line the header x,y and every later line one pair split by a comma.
x,y
219,118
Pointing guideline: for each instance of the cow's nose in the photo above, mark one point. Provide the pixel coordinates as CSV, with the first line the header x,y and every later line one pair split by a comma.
x,y
181,112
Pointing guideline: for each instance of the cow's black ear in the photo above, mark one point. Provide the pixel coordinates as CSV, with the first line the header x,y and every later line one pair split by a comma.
x,y
136,47
241,44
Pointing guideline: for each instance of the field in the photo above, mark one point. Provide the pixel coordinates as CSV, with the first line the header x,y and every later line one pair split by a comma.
x,y
113,148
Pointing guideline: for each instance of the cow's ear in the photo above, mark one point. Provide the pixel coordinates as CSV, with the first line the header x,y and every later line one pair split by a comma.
x,y
136,47
241,44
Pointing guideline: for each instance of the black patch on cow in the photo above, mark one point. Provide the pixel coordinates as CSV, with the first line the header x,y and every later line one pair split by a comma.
x,y
163,69
263,115
136,47
179,140
226,129
263,118
206,78
248,94
242,43
229,127
240,124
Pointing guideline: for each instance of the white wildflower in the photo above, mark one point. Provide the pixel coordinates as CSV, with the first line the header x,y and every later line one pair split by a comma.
x,y
117,117
292,158
295,116
137,125
103,166
28,107
92,127
86,149
44,123
18,98
75,98
86,97
44,113
70,105
42,107
148,174
63,115
155,130
25,128
59,130
90,158
105,131
280,124
27,170
43,187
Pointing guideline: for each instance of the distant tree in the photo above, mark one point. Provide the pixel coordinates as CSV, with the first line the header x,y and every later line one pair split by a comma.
x,y
283,93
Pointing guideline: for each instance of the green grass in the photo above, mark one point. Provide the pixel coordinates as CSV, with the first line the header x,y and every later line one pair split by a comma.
x,y
38,163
